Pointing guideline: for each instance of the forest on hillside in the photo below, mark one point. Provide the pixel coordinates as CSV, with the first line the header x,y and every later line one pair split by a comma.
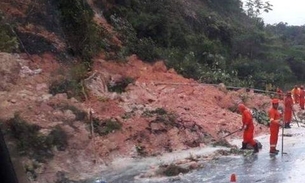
x,y
211,41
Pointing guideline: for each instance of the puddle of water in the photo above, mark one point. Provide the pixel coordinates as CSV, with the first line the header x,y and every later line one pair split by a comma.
x,y
254,168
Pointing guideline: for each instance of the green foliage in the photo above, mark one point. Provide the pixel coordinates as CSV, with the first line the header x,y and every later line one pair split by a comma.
x,y
141,150
211,41
32,143
71,87
106,126
58,138
150,113
84,37
257,7
70,82
8,41
261,117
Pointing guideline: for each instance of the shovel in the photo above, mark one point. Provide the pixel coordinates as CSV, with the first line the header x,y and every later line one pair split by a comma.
x,y
231,133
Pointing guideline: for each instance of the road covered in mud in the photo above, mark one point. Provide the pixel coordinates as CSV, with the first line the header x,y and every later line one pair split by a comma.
x,y
261,167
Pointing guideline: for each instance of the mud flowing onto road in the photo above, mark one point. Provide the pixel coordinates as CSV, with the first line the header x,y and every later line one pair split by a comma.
x,y
260,167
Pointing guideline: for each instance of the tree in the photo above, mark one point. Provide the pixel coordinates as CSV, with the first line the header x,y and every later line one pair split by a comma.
x,y
254,8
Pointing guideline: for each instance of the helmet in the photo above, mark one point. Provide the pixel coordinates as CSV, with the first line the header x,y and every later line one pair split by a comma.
x,y
241,107
275,101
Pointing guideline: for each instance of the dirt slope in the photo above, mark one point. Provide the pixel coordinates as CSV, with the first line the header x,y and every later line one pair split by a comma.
x,y
160,111
155,117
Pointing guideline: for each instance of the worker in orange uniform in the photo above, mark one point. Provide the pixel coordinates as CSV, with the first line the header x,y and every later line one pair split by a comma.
x,y
302,95
288,103
295,94
248,128
279,93
275,124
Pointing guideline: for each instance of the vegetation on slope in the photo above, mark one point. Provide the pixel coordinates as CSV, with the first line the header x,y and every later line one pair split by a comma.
x,y
211,41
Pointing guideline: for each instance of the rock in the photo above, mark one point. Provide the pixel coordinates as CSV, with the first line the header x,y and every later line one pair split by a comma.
x,y
45,97
194,165
45,131
69,115
58,114
45,107
74,100
97,83
41,86
172,71
159,66
13,101
202,145
155,127
116,78
26,71
183,161
61,96
222,87
110,145
69,130
222,121
113,96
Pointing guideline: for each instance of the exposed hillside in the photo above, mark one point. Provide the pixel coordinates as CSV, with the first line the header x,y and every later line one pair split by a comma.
x,y
74,96
150,118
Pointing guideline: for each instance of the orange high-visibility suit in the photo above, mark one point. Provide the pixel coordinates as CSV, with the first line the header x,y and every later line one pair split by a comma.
x,y
302,95
288,108
296,95
274,116
248,124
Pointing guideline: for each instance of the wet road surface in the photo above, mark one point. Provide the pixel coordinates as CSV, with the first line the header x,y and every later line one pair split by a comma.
x,y
261,167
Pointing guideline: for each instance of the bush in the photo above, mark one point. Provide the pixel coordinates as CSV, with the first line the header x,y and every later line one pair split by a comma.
x,y
158,111
8,41
106,126
71,87
70,82
84,37
58,138
32,143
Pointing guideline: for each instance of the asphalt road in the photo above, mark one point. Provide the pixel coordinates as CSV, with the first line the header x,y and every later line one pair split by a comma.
x,y
262,168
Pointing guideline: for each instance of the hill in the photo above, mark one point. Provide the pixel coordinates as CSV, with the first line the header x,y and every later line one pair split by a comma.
x,y
86,82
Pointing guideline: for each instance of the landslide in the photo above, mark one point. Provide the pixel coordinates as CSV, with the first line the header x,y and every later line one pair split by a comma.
x,y
133,108
159,111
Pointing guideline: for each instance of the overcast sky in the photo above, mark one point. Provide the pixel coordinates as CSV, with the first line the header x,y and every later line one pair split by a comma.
x,y
292,12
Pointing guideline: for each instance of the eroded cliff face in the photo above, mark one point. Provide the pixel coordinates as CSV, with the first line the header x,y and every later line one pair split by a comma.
x,y
159,111
131,109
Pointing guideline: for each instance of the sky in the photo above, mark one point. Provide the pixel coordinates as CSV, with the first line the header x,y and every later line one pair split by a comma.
x,y
292,12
